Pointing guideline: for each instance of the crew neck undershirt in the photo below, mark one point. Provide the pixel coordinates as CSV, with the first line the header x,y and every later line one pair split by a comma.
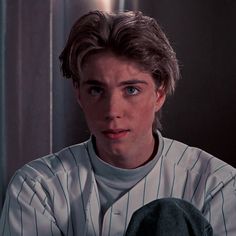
x,y
114,182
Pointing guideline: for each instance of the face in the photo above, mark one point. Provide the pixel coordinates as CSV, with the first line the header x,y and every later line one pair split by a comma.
x,y
119,101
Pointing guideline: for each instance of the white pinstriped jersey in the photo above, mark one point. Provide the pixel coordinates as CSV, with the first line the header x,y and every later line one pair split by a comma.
x,y
57,194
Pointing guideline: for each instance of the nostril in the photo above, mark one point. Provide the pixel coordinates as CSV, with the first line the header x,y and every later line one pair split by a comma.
x,y
112,116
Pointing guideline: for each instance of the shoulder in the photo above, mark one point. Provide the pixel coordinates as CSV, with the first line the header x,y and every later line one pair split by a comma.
x,y
49,166
197,161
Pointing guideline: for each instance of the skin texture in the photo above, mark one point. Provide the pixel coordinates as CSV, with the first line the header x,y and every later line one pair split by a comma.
x,y
119,101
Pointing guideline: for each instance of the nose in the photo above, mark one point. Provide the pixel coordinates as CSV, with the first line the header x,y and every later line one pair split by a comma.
x,y
114,106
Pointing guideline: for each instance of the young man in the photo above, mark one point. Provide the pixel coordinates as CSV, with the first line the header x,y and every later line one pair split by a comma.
x,y
122,67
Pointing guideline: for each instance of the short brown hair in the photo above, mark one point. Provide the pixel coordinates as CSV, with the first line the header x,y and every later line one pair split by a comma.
x,y
129,34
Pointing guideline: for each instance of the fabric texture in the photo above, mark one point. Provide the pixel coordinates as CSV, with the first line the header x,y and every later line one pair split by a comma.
x,y
113,182
168,217
58,194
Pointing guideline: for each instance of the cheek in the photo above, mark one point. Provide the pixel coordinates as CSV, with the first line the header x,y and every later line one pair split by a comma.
x,y
146,114
91,114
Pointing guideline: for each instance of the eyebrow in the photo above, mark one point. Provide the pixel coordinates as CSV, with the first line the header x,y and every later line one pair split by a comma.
x,y
126,82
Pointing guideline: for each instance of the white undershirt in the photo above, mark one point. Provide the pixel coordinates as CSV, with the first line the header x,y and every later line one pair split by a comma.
x,y
113,182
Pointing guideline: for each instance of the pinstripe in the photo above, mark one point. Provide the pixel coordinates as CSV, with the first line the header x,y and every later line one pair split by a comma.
x,y
97,194
92,220
159,182
82,196
36,225
219,168
44,189
196,160
44,205
47,193
185,184
126,213
59,159
61,189
169,147
182,155
206,204
53,202
211,174
233,177
173,182
109,232
46,164
68,190
209,212
96,191
223,214
41,191
144,189
195,190
67,203
33,194
217,186
73,155
206,185
87,149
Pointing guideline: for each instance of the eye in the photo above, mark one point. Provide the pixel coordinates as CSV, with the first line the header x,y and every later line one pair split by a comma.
x,y
130,90
95,91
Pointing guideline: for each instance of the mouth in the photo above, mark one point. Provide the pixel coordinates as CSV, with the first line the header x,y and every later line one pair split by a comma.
x,y
115,133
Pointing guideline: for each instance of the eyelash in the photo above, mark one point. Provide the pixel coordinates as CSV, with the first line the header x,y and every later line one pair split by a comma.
x,y
137,91
97,91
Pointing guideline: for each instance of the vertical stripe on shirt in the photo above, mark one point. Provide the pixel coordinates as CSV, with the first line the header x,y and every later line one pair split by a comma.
x,y
59,159
160,174
199,180
126,213
73,155
199,154
185,183
94,231
109,231
35,218
144,190
223,214
173,182
182,155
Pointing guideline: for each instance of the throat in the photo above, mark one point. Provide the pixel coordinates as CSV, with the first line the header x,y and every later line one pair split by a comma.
x,y
131,157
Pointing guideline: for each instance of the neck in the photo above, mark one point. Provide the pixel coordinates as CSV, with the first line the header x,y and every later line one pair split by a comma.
x,y
133,159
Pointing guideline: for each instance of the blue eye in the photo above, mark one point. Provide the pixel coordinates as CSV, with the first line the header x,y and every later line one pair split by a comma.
x,y
130,90
95,91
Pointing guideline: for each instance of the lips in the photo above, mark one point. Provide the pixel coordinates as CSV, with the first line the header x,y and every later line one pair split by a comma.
x,y
115,133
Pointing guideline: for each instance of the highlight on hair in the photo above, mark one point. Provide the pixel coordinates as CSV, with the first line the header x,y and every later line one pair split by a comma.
x,y
128,34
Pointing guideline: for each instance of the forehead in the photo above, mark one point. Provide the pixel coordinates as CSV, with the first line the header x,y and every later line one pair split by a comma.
x,y
107,64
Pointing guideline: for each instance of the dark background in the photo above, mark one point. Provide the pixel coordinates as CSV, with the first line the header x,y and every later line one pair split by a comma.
x,y
39,113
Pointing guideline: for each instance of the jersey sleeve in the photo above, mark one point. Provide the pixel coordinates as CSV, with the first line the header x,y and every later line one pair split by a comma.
x,y
220,209
28,209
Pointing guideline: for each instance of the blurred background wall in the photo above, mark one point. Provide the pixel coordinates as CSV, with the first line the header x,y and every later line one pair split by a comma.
x,y
39,113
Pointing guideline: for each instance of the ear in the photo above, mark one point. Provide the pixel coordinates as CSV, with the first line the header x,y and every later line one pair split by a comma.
x,y
160,98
